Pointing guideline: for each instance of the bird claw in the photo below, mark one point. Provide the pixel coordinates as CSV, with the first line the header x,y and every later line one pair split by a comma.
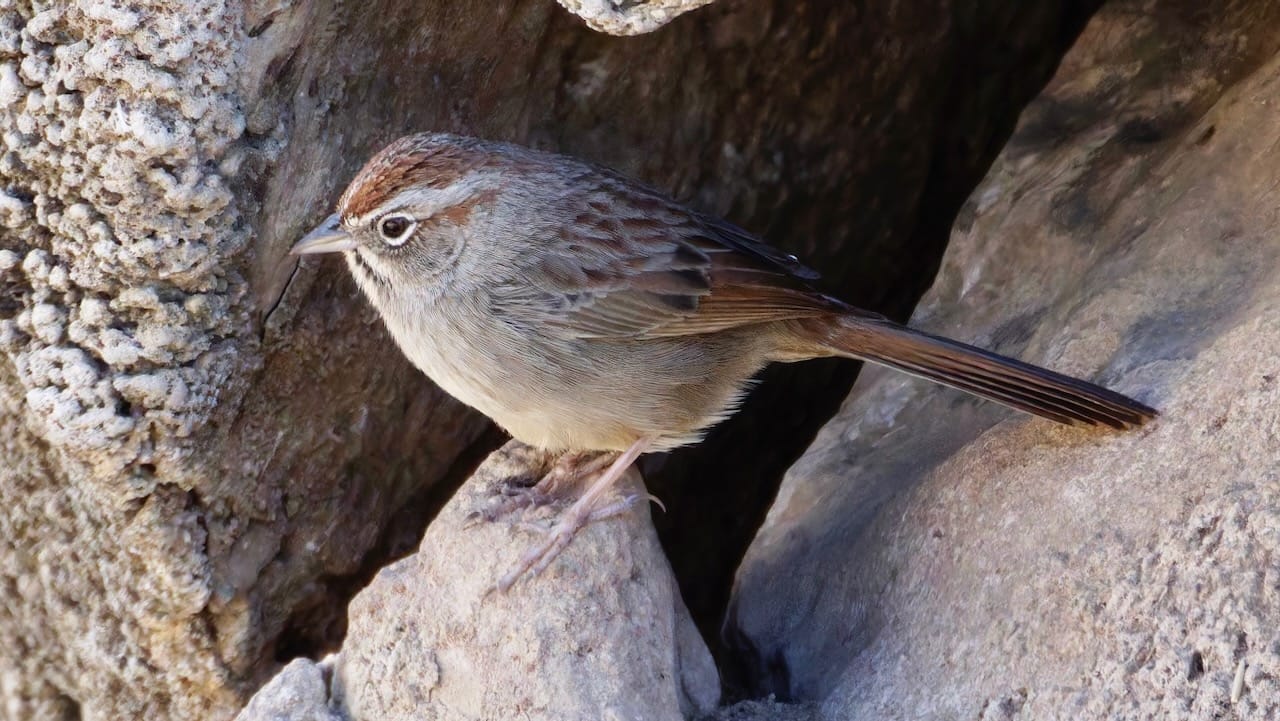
x,y
513,489
510,500
656,501
537,558
533,527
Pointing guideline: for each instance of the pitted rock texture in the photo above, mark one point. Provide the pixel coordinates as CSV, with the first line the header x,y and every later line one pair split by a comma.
x,y
118,226
932,557
122,304
159,530
205,440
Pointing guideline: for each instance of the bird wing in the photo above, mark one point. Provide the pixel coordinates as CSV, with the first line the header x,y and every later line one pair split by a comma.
x,y
632,263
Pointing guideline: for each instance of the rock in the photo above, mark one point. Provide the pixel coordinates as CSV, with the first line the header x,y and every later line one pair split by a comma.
x,y
623,18
298,693
934,557
179,486
600,634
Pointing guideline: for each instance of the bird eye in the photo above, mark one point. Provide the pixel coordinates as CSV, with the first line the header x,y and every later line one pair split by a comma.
x,y
395,229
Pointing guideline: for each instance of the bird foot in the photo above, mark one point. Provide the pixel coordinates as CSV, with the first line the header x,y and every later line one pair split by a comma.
x,y
514,498
593,505
554,487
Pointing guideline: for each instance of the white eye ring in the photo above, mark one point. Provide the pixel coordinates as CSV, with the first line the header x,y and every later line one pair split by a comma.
x,y
396,228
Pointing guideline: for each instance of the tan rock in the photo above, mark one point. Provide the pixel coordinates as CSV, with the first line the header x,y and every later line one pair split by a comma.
x,y
300,692
932,557
600,634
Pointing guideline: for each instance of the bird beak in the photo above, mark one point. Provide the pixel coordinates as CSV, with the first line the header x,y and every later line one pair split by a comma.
x,y
329,237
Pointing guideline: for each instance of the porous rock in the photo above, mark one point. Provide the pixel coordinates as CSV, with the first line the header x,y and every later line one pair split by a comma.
x,y
935,557
177,484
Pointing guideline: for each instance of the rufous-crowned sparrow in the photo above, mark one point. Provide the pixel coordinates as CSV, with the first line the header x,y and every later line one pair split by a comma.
x,y
584,311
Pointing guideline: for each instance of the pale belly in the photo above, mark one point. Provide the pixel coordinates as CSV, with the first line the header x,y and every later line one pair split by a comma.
x,y
589,395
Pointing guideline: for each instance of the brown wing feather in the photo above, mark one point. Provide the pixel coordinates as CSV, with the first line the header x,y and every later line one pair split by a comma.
x,y
632,263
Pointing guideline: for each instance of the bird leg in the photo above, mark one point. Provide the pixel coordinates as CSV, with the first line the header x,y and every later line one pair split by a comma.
x,y
592,506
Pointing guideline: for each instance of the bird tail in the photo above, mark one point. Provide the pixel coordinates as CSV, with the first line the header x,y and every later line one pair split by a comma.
x,y
988,375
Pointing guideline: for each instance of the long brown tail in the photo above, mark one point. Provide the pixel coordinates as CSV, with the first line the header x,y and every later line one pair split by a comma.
x,y
988,375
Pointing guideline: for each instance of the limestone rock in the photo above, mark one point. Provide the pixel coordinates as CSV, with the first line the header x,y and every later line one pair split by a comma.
x,y
933,557
178,484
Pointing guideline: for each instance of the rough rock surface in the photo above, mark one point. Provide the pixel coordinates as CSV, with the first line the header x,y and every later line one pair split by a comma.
x,y
160,523
601,634
202,446
300,692
931,557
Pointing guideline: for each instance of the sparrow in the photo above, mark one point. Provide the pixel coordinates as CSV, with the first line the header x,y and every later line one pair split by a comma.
x,y
597,318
